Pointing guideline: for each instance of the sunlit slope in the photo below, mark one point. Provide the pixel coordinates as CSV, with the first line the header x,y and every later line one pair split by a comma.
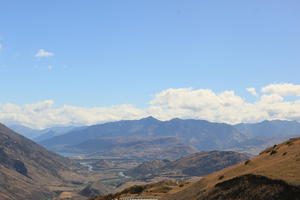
x,y
280,162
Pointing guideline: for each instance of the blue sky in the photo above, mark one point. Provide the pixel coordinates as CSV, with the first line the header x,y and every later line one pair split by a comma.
x,y
106,53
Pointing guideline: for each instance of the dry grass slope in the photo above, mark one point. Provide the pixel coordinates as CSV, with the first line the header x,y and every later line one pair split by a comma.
x,y
155,189
28,171
280,162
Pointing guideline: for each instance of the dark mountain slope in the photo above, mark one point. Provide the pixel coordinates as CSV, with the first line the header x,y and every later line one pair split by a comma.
x,y
26,168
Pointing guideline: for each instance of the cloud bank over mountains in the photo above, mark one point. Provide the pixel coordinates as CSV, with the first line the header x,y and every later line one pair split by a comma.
x,y
205,104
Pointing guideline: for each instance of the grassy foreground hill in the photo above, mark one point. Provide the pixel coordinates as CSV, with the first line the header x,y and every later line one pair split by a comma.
x,y
154,190
273,174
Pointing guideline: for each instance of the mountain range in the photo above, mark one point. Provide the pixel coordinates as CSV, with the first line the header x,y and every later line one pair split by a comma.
x,y
200,134
43,134
196,132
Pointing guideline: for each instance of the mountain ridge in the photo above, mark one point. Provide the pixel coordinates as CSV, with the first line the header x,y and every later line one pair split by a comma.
x,y
202,134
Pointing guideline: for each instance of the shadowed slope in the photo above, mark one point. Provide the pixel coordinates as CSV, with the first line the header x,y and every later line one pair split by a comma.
x,y
27,168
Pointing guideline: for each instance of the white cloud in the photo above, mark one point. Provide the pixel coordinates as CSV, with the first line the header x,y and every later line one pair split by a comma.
x,y
45,114
284,89
221,107
50,67
252,91
43,53
206,104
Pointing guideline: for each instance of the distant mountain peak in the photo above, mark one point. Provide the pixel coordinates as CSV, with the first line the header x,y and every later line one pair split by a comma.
x,y
150,118
176,119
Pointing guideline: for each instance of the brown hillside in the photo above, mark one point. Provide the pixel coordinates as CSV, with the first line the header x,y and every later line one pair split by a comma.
x,y
197,164
154,189
280,162
27,169
250,187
